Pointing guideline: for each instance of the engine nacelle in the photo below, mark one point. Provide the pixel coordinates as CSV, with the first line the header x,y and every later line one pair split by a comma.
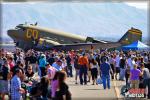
x,y
47,42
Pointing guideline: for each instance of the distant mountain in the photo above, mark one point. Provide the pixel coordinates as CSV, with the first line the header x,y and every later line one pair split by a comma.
x,y
106,20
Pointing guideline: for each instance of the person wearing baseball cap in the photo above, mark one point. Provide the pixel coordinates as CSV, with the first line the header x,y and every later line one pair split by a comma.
x,y
57,65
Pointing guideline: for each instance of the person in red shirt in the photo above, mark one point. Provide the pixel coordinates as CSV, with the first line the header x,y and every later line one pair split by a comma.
x,y
83,62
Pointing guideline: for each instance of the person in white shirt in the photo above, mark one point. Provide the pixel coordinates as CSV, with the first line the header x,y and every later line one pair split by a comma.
x,y
117,67
130,62
64,64
94,70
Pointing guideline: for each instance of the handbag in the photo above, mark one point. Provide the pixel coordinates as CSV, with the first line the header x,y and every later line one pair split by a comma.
x,y
99,81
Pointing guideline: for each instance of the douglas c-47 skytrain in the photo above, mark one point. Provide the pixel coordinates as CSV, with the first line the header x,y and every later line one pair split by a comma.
x,y
35,37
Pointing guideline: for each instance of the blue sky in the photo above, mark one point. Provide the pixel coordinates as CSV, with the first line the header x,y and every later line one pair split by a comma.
x,y
137,4
104,18
141,5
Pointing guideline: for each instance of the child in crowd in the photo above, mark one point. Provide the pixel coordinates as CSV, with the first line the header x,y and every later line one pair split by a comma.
x,y
63,92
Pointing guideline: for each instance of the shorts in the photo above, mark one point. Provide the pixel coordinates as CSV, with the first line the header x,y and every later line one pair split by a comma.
x,y
134,84
94,73
117,69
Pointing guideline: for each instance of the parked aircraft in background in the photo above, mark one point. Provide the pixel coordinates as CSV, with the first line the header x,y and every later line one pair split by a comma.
x,y
35,37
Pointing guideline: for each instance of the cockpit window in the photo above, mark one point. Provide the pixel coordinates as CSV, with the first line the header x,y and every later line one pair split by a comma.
x,y
20,26
17,27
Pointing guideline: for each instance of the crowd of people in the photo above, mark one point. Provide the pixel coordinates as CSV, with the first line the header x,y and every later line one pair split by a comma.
x,y
45,72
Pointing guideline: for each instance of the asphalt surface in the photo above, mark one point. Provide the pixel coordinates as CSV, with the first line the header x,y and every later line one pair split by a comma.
x,y
95,92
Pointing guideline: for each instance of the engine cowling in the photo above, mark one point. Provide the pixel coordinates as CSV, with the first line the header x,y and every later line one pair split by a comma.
x,y
47,42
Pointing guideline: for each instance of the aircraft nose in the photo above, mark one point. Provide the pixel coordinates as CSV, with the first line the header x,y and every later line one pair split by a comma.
x,y
12,33
9,32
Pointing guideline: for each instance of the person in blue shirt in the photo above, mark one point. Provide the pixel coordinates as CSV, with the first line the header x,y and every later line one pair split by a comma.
x,y
105,71
42,63
16,90
57,65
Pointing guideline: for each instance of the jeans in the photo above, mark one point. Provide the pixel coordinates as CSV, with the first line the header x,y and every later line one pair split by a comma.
x,y
76,73
147,83
106,78
69,69
122,73
113,69
16,98
83,71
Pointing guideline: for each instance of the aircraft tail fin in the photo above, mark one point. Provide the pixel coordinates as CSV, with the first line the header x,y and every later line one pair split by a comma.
x,y
131,36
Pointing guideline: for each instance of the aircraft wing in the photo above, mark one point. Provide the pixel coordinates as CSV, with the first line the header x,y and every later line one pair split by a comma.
x,y
87,46
76,46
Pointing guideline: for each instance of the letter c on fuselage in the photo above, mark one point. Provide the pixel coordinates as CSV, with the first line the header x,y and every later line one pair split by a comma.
x,y
32,33
29,33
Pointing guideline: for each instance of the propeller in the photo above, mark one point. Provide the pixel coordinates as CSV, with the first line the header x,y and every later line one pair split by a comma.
x,y
35,41
17,43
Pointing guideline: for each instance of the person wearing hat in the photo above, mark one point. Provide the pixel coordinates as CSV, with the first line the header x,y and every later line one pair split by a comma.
x,y
42,63
57,65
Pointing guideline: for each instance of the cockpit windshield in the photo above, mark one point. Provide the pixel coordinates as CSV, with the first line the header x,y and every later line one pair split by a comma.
x,y
20,26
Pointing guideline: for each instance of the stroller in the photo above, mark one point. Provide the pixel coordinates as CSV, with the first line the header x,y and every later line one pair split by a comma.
x,y
36,92
125,89
27,87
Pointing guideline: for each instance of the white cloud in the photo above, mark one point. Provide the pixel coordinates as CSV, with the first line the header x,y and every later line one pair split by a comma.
x,y
141,5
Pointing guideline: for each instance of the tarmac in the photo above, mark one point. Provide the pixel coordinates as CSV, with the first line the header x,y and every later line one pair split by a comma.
x,y
95,92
